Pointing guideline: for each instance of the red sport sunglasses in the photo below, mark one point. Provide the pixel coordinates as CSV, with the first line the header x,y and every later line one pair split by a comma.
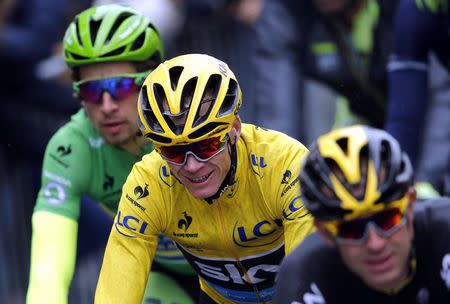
x,y
355,232
120,87
202,150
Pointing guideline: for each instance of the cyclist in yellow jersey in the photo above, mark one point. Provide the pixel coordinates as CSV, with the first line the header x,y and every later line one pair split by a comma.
x,y
226,192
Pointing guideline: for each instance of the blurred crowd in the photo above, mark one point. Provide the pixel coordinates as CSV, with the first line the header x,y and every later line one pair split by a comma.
x,y
279,49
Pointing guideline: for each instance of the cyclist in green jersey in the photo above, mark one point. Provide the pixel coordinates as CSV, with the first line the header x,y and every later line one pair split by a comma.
x,y
110,49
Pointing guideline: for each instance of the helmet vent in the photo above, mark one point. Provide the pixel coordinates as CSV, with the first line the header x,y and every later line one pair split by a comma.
x,y
175,73
94,25
147,111
139,42
230,100
119,20
76,56
158,138
188,94
385,159
208,100
115,52
77,21
207,129
343,144
161,99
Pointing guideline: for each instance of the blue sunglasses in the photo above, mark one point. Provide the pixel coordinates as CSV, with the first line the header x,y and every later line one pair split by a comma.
x,y
120,87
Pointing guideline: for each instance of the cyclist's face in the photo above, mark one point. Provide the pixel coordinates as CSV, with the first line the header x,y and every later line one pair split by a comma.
x,y
203,179
115,120
381,262
330,6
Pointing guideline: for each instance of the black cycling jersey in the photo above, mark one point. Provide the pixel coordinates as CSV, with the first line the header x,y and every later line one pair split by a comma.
x,y
351,60
314,272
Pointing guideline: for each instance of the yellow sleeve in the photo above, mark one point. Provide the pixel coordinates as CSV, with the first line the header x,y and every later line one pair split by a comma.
x,y
130,248
297,226
297,221
53,254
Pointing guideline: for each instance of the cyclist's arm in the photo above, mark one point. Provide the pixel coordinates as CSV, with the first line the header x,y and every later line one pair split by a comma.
x,y
131,247
53,253
297,221
408,88
54,235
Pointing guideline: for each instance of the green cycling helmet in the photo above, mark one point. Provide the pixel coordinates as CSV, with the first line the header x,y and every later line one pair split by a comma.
x,y
109,33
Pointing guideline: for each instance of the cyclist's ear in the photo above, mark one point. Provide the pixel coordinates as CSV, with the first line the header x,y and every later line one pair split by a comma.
x,y
326,235
235,130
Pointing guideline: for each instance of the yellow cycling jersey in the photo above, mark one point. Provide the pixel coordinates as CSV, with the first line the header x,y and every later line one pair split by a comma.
x,y
235,243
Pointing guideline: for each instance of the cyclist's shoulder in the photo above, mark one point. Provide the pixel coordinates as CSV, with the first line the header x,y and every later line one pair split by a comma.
x,y
271,143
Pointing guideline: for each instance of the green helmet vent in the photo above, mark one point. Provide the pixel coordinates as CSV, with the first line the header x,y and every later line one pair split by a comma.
x,y
94,26
114,53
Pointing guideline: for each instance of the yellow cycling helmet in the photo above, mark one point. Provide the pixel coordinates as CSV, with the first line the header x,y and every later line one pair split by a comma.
x,y
353,172
187,99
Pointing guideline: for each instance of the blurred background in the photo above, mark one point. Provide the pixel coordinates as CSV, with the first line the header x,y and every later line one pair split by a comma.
x,y
259,39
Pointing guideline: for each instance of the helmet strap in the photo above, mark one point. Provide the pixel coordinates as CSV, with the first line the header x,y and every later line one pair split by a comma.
x,y
229,179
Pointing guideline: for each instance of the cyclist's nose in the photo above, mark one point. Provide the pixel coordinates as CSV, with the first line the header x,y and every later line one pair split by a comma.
x,y
192,164
109,104
375,242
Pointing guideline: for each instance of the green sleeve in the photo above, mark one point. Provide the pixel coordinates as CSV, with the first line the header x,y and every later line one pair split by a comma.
x,y
65,174
53,254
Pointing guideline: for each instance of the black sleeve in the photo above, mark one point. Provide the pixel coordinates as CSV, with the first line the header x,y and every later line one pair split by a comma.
x,y
302,276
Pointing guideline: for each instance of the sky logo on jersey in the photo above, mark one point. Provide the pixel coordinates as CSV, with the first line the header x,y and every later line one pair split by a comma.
x,y
55,193
262,233
293,209
165,175
258,164
237,280
130,223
